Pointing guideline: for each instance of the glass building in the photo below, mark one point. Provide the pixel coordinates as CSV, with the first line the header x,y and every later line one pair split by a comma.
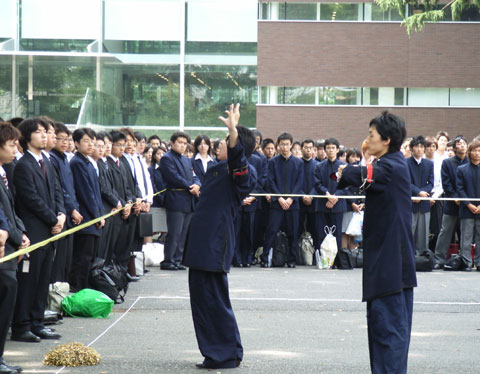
x,y
158,65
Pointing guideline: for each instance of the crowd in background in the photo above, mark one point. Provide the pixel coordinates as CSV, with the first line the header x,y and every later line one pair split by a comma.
x,y
55,179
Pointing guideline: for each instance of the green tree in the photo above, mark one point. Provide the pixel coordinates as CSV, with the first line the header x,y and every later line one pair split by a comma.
x,y
432,11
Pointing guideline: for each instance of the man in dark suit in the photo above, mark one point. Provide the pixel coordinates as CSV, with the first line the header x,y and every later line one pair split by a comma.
x,y
389,257
39,204
209,249
87,190
421,174
182,185
12,227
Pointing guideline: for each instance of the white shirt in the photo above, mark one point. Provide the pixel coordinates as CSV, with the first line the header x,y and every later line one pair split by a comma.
x,y
141,169
94,164
437,190
38,158
204,162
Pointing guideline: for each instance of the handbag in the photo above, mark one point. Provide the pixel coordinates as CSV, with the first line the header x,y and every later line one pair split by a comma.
x,y
305,250
355,226
145,225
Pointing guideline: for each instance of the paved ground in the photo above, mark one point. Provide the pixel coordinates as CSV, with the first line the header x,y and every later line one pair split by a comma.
x,y
299,320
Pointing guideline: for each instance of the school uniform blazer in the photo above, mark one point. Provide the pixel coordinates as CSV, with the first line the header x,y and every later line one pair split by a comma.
x,y
449,183
38,201
12,223
255,163
324,181
109,195
9,170
158,185
130,178
388,253
308,183
120,185
211,236
262,179
468,185
177,174
87,190
421,176
198,168
285,176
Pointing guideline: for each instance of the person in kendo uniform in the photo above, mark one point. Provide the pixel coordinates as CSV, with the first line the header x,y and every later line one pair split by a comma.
x,y
389,256
210,245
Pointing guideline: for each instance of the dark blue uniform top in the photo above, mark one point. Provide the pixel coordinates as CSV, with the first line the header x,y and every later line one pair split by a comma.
x,y
389,257
308,183
262,182
285,176
198,168
421,176
468,185
158,185
60,162
3,221
87,189
256,163
211,236
324,182
449,183
177,174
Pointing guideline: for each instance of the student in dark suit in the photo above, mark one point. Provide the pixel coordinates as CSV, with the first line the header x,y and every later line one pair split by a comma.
x,y
421,174
12,227
329,212
468,186
450,208
389,257
307,205
39,203
182,185
202,159
285,175
156,176
117,246
58,158
87,190
209,250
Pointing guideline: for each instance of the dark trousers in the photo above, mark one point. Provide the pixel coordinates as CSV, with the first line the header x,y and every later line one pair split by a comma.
x,y
84,249
117,225
122,245
62,260
177,224
291,225
307,223
436,213
213,319
8,293
32,291
244,226
105,239
389,320
260,225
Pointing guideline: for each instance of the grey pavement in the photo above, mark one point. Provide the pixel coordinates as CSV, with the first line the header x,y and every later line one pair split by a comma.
x,y
299,320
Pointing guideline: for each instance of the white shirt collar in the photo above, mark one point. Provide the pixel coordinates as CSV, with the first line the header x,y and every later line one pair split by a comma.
x,y
113,158
38,158
419,160
197,156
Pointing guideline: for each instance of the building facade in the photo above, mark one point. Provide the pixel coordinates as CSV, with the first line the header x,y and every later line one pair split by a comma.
x,y
325,69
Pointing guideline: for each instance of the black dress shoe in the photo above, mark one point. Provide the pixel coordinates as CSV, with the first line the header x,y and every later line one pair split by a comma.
x,y
132,278
467,269
438,267
238,266
27,337
168,267
5,369
202,365
263,265
181,267
291,264
46,333
246,265
17,369
478,267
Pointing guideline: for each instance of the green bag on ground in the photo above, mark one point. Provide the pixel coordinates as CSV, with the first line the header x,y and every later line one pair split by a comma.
x,y
87,303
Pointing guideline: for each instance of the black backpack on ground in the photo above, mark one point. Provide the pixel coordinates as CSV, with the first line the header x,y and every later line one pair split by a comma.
x,y
425,261
280,250
455,263
357,254
109,279
345,259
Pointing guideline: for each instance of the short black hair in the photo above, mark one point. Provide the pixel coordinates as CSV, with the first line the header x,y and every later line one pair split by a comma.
x,y
15,121
104,135
457,139
266,142
199,139
417,140
78,134
307,140
154,137
139,136
60,127
27,127
330,141
117,135
248,140
8,132
259,134
179,134
392,127
285,136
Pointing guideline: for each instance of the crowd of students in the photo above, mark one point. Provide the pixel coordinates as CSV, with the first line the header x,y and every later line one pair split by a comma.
x,y
54,179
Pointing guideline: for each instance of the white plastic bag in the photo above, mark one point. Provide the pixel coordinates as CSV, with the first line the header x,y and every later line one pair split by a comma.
x,y
153,254
328,248
356,223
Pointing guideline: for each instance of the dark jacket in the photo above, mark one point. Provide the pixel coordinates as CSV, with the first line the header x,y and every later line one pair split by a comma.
x,y
110,197
308,183
131,178
262,180
449,183
255,162
285,176
421,177
158,185
198,168
468,185
120,184
177,174
211,236
323,182
87,190
388,253
38,200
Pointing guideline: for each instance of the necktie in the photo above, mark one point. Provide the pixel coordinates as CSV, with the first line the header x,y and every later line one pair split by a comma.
x,y
143,174
42,166
5,180
117,162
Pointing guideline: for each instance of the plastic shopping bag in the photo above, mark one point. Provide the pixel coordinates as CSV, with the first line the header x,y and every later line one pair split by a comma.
x,y
87,303
328,248
356,223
